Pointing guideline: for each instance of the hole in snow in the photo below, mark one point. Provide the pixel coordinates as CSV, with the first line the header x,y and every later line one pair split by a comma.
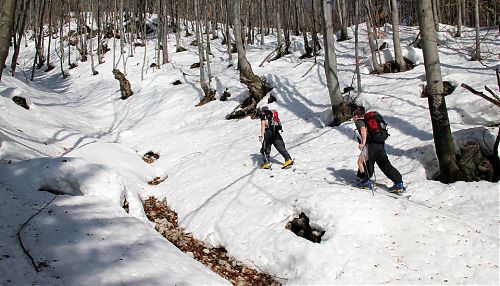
x,y
126,206
51,190
177,82
393,67
21,101
150,157
302,227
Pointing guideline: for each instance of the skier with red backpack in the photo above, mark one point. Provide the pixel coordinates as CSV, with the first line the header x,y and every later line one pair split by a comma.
x,y
270,127
372,128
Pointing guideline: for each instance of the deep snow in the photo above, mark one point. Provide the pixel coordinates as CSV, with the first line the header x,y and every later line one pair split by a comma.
x,y
80,139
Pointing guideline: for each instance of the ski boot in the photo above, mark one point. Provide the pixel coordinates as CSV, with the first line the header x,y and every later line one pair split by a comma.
x,y
287,164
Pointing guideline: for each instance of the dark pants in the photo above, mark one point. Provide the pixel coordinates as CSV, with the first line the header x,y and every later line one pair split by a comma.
x,y
273,138
377,154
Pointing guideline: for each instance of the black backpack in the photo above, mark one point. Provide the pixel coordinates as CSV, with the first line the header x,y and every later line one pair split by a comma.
x,y
273,120
376,127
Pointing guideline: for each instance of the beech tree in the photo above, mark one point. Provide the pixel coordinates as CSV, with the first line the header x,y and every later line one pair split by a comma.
x,y
18,33
199,42
443,140
94,71
256,86
164,13
342,11
477,52
459,17
398,55
372,39
6,24
341,111
356,44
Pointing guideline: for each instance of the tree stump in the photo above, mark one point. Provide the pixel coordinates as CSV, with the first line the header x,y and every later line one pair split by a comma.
x,y
125,88
473,164
207,98
225,95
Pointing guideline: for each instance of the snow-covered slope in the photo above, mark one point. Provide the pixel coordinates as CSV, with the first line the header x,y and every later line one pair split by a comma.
x,y
80,139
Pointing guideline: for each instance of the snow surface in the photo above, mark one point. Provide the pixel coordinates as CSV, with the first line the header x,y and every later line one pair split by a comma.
x,y
80,139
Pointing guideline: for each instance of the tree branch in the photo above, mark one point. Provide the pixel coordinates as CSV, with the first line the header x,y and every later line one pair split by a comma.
x,y
478,93
498,79
492,93
35,265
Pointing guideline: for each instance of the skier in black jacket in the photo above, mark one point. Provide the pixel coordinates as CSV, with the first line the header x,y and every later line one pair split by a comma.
x,y
270,127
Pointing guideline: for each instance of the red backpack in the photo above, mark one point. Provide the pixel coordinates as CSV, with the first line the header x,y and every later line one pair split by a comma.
x,y
376,127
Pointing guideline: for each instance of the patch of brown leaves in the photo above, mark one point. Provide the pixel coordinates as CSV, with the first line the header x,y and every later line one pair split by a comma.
x,y
236,272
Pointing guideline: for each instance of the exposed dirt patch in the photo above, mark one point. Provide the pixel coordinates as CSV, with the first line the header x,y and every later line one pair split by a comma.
x,y
392,67
166,223
301,227
225,95
150,157
21,101
156,181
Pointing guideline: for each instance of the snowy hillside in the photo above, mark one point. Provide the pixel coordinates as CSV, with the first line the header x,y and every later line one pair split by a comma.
x,y
80,139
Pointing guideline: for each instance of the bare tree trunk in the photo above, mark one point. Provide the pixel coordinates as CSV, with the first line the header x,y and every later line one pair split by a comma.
x,y
61,41
435,16
94,71
279,52
398,55
6,24
100,44
207,14
314,33
228,35
165,32
17,45
343,19
49,65
39,58
208,50
70,36
145,44
214,15
308,49
459,18
477,54
371,39
443,139
122,40
199,41
340,109
262,9
115,24
159,32
286,30
296,9
356,44
256,86
41,39
131,33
